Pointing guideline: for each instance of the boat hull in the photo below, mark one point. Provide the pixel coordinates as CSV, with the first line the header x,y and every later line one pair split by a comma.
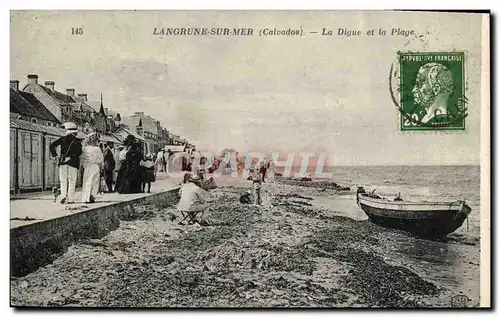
x,y
424,220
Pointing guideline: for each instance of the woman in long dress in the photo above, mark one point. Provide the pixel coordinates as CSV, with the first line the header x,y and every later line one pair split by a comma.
x,y
160,161
92,161
131,181
121,163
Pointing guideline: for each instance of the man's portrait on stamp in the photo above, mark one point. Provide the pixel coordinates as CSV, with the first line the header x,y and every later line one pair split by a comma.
x,y
432,91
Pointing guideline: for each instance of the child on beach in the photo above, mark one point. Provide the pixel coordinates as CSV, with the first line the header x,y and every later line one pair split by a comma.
x,y
147,172
257,183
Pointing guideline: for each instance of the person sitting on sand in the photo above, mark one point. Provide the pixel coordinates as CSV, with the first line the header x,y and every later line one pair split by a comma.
x,y
245,198
194,198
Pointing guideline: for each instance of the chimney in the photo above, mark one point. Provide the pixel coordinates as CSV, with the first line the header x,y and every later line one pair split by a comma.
x,y
82,97
50,84
70,92
33,79
14,84
106,111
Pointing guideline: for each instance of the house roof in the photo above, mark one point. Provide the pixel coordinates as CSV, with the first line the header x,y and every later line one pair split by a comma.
x,y
148,123
30,126
27,104
131,122
58,96
109,138
83,106
175,148
26,125
122,134
97,105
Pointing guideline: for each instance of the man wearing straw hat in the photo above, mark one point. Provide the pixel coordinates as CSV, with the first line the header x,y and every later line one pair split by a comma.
x,y
194,198
68,160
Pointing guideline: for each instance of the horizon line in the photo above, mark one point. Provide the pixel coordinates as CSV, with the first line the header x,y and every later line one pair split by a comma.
x,y
392,165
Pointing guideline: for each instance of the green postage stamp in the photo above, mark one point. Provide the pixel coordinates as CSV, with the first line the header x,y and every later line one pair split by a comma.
x,y
432,91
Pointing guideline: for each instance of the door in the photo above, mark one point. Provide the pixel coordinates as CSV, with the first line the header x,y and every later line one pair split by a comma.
x,y
36,160
51,168
25,159
12,158
30,163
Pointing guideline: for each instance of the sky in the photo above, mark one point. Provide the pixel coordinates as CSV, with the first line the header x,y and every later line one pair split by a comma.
x,y
270,94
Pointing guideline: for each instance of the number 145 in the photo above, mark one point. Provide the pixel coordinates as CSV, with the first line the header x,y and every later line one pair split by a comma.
x,y
76,31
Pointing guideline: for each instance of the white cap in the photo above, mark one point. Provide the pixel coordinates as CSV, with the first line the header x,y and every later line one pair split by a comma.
x,y
70,128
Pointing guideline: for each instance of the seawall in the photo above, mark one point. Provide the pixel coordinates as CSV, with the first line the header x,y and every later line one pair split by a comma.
x,y
38,244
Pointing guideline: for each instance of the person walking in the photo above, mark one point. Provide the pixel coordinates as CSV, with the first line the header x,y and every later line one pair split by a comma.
x,y
109,166
119,159
68,161
130,181
257,184
92,162
270,172
168,161
160,161
263,170
147,172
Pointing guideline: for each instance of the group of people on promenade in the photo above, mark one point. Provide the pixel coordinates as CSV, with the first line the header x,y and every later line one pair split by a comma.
x,y
161,160
135,170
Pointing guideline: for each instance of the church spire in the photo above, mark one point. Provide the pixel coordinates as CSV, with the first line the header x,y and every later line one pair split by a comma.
x,y
101,109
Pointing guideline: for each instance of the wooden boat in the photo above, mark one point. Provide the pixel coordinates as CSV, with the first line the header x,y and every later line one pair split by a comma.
x,y
425,219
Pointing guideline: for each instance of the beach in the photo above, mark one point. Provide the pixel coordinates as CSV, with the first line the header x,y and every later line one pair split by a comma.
x,y
304,247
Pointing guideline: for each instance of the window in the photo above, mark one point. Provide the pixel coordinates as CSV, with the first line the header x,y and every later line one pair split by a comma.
x,y
33,120
49,124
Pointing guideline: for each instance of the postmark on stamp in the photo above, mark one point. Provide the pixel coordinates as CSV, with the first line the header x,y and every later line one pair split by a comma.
x,y
431,91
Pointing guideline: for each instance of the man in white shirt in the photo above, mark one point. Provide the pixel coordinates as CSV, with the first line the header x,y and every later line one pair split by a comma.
x,y
194,198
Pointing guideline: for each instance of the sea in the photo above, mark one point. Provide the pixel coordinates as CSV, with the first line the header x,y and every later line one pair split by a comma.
x,y
453,263
419,183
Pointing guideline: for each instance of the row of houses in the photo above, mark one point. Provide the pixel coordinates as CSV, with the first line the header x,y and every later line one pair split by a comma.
x,y
37,113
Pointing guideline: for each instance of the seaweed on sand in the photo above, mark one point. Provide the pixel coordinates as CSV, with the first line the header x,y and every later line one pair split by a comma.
x,y
377,282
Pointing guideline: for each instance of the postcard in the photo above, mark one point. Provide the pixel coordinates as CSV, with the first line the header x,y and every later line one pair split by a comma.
x,y
250,159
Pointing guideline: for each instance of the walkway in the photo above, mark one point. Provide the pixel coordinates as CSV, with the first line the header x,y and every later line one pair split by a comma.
x,y
40,206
